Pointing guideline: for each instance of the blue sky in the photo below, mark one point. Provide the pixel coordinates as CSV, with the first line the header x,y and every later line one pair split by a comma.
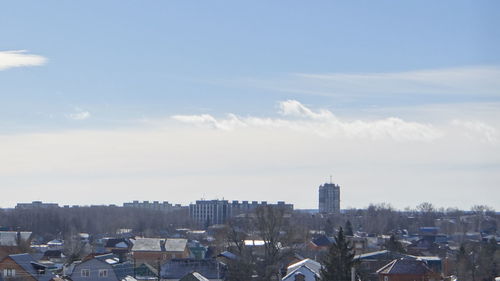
x,y
133,68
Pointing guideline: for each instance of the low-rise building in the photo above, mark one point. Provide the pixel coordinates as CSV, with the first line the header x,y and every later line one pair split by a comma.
x,y
36,205
407,270
154,250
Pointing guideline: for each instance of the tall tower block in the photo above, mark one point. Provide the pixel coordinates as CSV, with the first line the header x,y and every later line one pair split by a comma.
x,y
329,198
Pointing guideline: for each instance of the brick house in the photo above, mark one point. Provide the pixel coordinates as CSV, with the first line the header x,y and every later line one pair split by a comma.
x,y
158,250
24,267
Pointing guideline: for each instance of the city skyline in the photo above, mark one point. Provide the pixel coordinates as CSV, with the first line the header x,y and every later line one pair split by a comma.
x,y
120,101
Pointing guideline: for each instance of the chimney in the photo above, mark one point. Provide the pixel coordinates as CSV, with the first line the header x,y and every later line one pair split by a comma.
x,y
18,238
162,244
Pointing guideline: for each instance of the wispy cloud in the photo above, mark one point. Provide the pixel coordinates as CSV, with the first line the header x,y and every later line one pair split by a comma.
x,y
79,115
296,116
19,58
472,82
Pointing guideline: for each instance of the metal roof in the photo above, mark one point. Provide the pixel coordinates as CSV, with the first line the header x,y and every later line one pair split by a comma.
x,y
160,245
27,262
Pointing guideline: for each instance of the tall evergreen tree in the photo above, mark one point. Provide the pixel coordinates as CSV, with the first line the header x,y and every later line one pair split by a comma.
x,y
348,228
339,261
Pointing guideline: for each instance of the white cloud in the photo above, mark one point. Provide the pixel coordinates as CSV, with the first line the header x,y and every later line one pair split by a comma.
x,y
80,115
298,117
231,122
19,58
480,130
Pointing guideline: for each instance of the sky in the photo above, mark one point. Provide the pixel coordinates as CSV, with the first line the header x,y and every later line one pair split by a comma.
x,y
105,102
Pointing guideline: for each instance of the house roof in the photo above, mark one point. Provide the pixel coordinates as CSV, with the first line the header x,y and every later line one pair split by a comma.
x,y
228,255
122,270
50,254
117,243
178,268
193,276
372,255
29,265
323,241
312,265
175,245
147,244
55,242
299,270
146,267
405,266
160,245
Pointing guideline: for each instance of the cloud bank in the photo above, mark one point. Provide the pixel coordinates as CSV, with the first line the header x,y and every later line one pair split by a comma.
x,y
298,117
284,157
19,58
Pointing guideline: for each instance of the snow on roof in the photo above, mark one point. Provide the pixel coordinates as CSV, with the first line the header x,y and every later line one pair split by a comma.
x,y
175,245
313,265
254,242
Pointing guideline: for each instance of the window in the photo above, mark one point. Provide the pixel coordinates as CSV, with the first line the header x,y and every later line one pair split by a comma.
x,y
9,272
103,273
85,272
386,278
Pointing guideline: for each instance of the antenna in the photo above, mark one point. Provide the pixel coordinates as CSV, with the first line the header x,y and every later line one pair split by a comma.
x,y
330,179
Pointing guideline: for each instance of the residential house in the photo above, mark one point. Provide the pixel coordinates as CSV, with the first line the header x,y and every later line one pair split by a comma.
x,y
102,268
55,256
93,269
405,269
369,263
159,250
304,270
118,246
321,243
24,267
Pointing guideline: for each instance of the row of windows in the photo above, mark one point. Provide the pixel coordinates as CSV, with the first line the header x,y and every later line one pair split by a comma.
x,y
102,273
9,272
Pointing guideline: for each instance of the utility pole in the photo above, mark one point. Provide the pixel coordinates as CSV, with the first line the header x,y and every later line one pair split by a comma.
x,y
159,270
473,266
134,268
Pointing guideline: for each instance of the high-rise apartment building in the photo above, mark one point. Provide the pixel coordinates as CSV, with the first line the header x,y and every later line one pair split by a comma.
x,y
329,198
